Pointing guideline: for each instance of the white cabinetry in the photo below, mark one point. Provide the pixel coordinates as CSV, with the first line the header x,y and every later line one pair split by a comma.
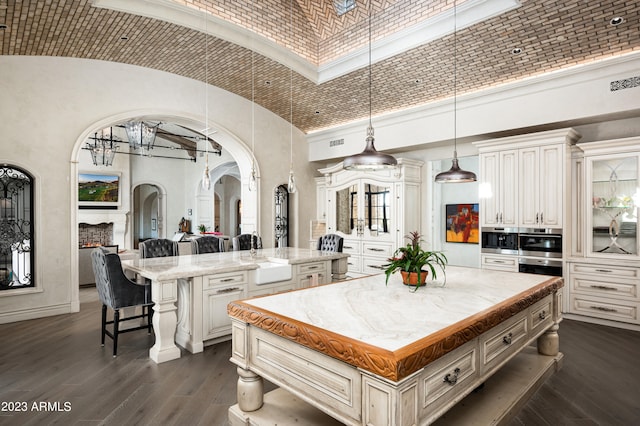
x,y
217,291
540,195
499,183
604,272
524,179
372,211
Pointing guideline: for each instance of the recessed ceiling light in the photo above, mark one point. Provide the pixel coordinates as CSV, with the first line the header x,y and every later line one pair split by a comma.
x,y
516,51
417,81
124,37
317,112
616,21
267,82
3,26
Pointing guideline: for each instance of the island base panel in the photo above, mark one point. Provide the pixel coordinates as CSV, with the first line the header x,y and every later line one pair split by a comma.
x,y
501,397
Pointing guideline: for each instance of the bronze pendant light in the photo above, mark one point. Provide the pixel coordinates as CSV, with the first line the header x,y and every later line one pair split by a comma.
x,y
455,174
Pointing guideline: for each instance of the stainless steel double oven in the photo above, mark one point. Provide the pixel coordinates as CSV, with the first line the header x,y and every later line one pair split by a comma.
x,y
539,250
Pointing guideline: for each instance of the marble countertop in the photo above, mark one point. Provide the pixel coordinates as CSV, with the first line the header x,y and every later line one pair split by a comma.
x,y
365,313
173,267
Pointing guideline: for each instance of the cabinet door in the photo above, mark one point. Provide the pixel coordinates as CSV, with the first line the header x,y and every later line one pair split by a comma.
x,y
489,189
551,184
614,197
529,193
215,320
343,211
508,188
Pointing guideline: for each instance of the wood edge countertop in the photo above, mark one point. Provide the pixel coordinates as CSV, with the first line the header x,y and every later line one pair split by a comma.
x,y
398,364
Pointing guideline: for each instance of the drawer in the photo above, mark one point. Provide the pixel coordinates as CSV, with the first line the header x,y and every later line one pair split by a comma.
x,y
541,314
605,270
445,380
227,278
615,288
354,263
616,310
351,246
384,250
503,341
499,263
373,265
311,268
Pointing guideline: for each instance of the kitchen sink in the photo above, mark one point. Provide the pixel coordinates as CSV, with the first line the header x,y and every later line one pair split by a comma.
x,y
271,272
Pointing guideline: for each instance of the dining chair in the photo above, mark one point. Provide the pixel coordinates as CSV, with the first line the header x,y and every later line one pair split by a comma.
x,y
330,242
243,242
207,244
116,292
158,247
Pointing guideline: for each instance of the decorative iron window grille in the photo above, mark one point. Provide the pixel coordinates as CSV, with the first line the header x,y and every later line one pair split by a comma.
x,y
281,222
16,228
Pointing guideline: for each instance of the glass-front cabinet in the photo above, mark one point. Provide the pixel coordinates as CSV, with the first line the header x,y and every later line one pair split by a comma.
x,y
364,207
372,211
603,280
614,189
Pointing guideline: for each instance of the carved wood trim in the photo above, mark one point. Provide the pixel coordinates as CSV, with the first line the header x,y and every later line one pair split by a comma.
x,y
393,365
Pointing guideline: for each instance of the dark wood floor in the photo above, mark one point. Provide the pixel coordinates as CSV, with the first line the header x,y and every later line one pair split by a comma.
x,y
58,361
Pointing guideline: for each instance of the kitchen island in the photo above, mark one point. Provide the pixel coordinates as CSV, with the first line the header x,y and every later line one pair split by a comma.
x,y
191,292
366,353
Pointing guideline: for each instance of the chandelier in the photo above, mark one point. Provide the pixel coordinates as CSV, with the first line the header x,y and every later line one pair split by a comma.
x,y
141,135
103,149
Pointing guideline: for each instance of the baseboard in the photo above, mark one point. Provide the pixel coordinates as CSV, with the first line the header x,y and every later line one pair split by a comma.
x,y
35,313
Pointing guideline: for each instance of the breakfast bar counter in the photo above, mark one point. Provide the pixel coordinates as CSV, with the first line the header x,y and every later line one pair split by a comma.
x,y
191,292
368,353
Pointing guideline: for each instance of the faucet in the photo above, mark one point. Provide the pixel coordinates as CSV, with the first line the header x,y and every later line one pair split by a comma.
x,y
254,237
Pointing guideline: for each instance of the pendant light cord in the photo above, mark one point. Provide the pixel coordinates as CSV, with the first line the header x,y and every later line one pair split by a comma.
x,y
370,84
455,82
291,90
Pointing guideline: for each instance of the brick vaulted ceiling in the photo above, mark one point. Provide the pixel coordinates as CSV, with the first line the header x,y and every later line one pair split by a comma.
x,y
552,35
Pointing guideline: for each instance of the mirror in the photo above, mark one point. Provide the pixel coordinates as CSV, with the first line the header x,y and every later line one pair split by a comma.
x,y
346,209
376,212
377,208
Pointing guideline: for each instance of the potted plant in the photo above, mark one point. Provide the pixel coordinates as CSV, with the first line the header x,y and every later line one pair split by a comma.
x,y
202,229
411,259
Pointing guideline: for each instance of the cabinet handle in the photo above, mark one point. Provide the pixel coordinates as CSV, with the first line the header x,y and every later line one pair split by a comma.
x,y
604,287
608,271
319,276
537,215
226,280
313,267
500,217
542,315
541,218
498,261
376,266
374,249
602,308
228,290
347,247
452,379
496,217
507,339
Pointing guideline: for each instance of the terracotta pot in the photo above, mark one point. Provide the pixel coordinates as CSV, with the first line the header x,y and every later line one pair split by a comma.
x,y
411,278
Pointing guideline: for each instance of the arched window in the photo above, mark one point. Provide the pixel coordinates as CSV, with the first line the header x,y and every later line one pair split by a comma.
x,y
16,228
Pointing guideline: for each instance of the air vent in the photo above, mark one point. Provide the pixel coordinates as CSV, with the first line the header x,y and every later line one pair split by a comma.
x,y
336,142
627,83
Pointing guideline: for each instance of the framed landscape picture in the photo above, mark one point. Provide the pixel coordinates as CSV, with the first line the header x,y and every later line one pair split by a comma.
x,y
462,223
98,190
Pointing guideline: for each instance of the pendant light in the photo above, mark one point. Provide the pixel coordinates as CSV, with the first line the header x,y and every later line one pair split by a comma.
x,y
455,174
206,179
291,185
253,179
370,158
